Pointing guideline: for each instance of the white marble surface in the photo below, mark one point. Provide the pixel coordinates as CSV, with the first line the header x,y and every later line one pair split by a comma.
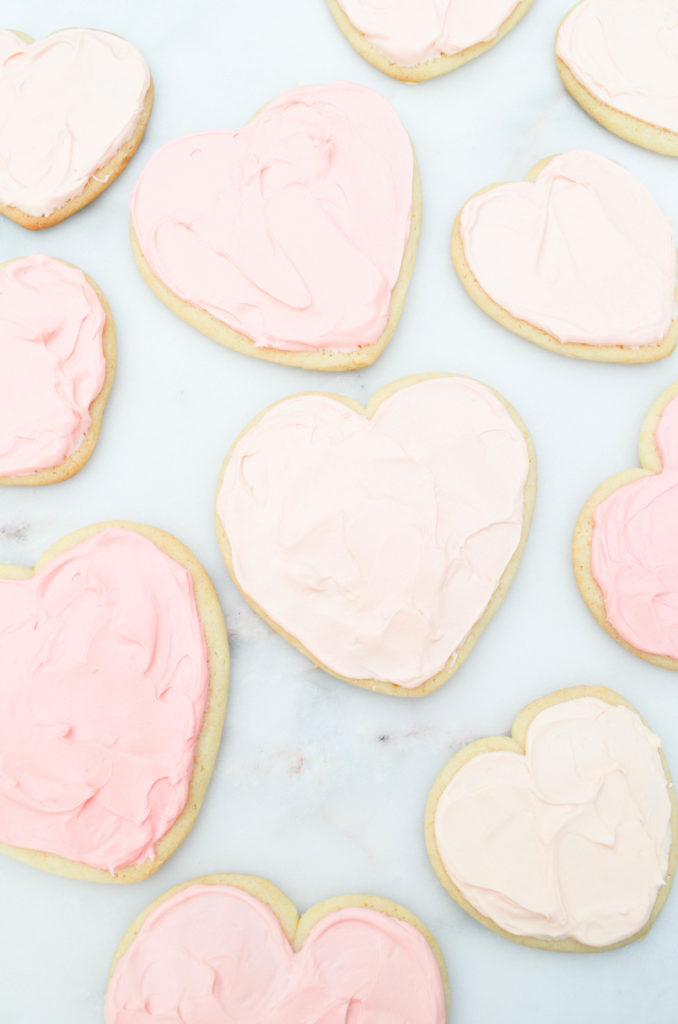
x,y
318,785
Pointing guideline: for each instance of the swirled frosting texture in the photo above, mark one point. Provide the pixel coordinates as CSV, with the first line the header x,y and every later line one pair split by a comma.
x,y
413,31
214,954
570,840
52,364
625,53
634,551
102,696
378,543
68,103
583,253
292,230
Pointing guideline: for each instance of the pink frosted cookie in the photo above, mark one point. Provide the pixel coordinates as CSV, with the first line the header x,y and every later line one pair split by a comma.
x,y
57,363
619,60
73,110
380,540
233,948
563,835
625,547
292,239
112,697
578,258
418,39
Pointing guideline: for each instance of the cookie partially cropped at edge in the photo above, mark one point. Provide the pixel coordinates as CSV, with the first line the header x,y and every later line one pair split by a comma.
x,y
578,259
113,693
75,107
625,545
414,40
563,836
264,962
619,60
291,239
57,364
380,540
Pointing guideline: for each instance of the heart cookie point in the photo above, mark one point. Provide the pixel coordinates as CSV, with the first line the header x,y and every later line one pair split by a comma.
x,y
114,681
619,60
562,836
578,259
625,551
77,103
414,40
264,964
56,368
380,543
273,240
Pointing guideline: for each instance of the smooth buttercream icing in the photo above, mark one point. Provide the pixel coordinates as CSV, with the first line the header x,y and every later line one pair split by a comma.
x,y
291,230
103,691
216,955
570,840
378,543
68,103
413,31
625,53
52,363
584,252
634,550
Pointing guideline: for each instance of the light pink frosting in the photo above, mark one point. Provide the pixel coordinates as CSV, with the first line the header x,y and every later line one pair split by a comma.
x,y
104,687
216,955
634,550
291,230
52,363
584,253
378,543
68,103
569,841
625,53
413,31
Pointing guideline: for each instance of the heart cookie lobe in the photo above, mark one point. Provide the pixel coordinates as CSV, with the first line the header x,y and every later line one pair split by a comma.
x,y
115,672
625,552
578,258
414,40
564,835
292,239
231,947
57,363
73,110
619,60
380,541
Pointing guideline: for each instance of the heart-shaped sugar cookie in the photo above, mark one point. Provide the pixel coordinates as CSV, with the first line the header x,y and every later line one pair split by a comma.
x,y
292,239
73,110
625,547
619,60
231,948
112,697
414,40
565,835
578,258
57,363
380,541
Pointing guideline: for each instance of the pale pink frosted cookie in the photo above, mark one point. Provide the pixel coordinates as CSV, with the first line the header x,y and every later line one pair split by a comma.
x,y
57,363
619,60
112,697
578,258
563,835
292,239
418,39
625,547
380,540
232,948
73,110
